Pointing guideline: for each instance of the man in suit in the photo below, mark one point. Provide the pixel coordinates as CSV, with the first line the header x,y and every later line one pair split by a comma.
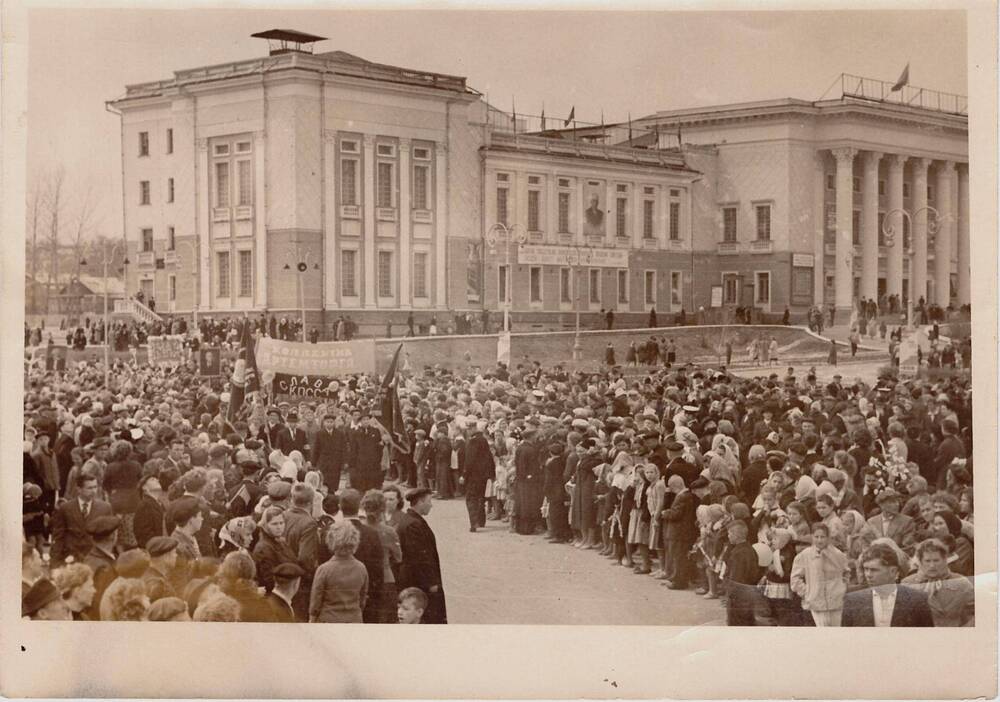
x,y
71,518
891,522
63,451
301,535
329,452
300,441
885,603
366,468
287,581
275,433
480,468
680,533
421,566
369,552
950,448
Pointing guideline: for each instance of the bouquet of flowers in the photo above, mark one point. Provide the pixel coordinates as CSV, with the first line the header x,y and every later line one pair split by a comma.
x,y
892,472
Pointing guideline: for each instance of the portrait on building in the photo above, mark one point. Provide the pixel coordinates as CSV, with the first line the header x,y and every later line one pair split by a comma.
x,y
593,215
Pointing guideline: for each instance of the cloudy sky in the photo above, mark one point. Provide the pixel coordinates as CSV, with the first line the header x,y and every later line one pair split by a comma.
x,y
610,62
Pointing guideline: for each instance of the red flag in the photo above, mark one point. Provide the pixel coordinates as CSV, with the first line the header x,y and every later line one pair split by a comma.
x,y
246,378
572,114
392,415
904,79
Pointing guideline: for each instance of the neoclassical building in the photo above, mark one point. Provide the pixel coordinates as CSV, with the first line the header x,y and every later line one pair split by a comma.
x,y
327,183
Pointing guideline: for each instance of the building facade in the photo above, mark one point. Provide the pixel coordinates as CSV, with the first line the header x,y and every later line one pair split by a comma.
x,y
334,185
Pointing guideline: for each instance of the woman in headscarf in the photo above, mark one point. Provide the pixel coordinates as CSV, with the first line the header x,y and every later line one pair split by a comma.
x,y
236,535
314,479
798,522
826,510
271,549
639,520
854,545
948,528
719,469
783,604
950,596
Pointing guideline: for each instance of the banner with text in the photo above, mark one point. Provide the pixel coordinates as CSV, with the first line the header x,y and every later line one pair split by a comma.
x,y
325,388
570,255
166,350
329,358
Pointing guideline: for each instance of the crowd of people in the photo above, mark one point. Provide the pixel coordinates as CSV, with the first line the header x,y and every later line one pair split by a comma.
x,y
794,502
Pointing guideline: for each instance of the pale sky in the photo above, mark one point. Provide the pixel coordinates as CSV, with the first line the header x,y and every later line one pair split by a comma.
x,y
615,62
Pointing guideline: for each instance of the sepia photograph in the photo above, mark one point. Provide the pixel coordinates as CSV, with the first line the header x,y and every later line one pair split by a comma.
x,y
326,323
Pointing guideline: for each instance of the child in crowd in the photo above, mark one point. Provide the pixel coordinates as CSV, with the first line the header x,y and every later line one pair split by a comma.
x,y
411,605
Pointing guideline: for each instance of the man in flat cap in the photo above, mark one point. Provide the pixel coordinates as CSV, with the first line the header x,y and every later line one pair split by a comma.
x,y
890,523
44,602
162,561
420,565
71,519
287,580
274,432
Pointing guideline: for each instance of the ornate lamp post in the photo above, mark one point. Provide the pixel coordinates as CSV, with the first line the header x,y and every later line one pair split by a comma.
x,y
301,265
511,234
933,226
107,325
577,256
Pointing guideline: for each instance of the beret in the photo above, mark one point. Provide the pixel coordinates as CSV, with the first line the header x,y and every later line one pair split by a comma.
x,y
161,545
100,527
417,493
132,564
41,593
166,608
287,571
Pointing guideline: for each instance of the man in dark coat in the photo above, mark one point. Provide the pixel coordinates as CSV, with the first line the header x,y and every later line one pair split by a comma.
x,y
63,451
300,441
302,536
480,468
70,536
329,452
366,468
529,482
421,566
287,583
885,603
274,433
370,553
680,532
950,448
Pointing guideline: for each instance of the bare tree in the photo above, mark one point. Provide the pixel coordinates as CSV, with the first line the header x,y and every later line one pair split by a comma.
x,y
54,203
36,207
84,223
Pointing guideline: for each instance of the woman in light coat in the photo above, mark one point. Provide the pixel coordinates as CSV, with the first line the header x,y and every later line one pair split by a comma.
x,y
819,577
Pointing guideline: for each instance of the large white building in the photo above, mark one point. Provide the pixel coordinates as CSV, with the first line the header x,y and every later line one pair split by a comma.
x,y
329,183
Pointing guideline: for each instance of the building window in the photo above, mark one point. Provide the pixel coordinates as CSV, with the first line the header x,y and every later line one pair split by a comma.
x,y
222,258
763,294
502,273
564,213
906,234
144,143
730,288
856,184
349,146
729,224
245,183
502,204
170,141
675,288
421,154
143,192
246,273
675,221
420,179
831,181
172,287
385,274
171,239
222,149
243,147
930,191
763,222
349,181
906,190
387,150
419,274
649,281
595,285
621,214
348,273
384,185
881,233
565,293
623,286
881,187
534,206
147,240
648,209
170,189
222,185
856,227
535,284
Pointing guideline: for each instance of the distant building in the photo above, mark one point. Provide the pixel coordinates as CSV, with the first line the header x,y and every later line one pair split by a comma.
x,y
72,296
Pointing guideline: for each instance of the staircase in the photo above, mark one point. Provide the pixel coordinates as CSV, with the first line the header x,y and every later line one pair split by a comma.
x,y
134,310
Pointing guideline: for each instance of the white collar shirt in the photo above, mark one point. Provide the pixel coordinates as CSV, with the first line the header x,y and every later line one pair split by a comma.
x,y
883,606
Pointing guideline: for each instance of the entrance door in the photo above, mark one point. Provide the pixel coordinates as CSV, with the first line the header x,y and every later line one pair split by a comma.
x,y
730,289
147,290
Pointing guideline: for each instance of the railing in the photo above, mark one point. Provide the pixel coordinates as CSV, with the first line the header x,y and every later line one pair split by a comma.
x,y
909,95
728,248
659,136
760,246
568,147
136,310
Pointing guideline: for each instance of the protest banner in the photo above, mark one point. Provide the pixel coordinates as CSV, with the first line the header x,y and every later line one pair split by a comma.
x,y
325,388
325,359
166,350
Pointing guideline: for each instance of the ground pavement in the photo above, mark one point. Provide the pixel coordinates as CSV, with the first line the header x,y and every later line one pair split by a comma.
x,y
497,577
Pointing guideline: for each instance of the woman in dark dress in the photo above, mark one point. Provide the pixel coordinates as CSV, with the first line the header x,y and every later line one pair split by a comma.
x,y
271,549
569,480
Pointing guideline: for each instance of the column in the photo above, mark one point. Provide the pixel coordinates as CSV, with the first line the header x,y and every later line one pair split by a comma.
x,y
918,261
964,259
844,262
368,169
581,194
550,221
331,277
894,262
441,224
869,226
942,241
819,228
204,226
405,259
260,217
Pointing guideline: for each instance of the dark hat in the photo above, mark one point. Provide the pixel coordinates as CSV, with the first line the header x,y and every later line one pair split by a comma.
x,y
287,571
417,493
100,442
101,527
649,434
699,483
292,417
166,608
132,564
41,593
161,545
674,446
279,490
181,510
273,410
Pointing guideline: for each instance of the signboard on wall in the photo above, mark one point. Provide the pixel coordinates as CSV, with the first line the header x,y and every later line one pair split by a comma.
x,y
716,296
800,260
561,255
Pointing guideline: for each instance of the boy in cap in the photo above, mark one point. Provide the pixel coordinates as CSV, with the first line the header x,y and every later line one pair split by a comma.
x,y
287,579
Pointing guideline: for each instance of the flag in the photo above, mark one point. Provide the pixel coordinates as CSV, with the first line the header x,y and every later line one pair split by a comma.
x,y
543,116
629,128
392,415
245,379
513,115
680,141
904,79
572,116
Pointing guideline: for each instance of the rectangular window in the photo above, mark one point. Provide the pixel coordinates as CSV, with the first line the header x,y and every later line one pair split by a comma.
x,y
881,233
348,273
420,177
675,221
246,273
502,206
171,239
730,288
856,184
384,185
621,212
623,286
143,192
170,189
729,224
675,288
534,206
170,141
648,209
222,149
245,183
222,185
565,293
831,181
386,150
385,274
564,182
906,190
243,147
595,285
419,274
421,154
349,181
763,222
763,296
535,284
563,213
930,191
881,187
502,273
856,227
172,287
649,190
144,143
222,257
349,147
147,240
649,285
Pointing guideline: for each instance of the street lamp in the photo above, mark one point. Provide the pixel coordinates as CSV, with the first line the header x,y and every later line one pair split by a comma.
x,y
107,324
301,266
577,256
514,232
933,226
